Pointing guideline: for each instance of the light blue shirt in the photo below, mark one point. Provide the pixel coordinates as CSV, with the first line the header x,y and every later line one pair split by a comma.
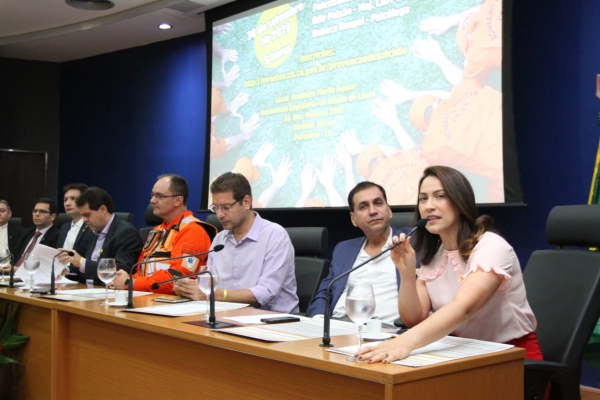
x,y
263,262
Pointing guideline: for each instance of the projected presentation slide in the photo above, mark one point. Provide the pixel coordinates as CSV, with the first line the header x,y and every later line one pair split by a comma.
x,y
311,97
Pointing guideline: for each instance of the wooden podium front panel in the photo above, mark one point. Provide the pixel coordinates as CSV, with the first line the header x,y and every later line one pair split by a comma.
x,y
114,361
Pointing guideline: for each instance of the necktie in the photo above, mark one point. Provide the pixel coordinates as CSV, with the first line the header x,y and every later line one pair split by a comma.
x,y
30,247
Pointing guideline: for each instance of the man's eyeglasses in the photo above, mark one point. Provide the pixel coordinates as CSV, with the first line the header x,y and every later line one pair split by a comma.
x,y
225,207
36,211
162,196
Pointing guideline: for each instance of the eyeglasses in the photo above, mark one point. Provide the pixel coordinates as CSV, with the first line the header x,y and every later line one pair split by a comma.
x,y
162,196
225,207
36,211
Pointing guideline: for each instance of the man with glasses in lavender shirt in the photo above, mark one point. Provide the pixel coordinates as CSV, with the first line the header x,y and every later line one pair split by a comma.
x,y
256,265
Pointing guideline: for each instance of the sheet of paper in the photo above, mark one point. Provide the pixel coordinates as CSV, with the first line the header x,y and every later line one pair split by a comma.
x,y
96,293
185,309
46,254
308,328
256,319
446,349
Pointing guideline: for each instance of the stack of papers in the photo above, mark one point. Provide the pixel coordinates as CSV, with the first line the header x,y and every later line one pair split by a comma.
x,y
185,309
87,294
446,349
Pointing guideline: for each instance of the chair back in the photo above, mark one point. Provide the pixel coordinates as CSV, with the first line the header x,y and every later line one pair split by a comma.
x,y
563,289
61,219
402,219
15,221
310,246
214,221
127,216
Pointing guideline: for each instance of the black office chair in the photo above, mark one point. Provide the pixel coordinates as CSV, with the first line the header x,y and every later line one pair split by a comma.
x,y
151,220
126,216
213,220
402,219
18,221
61,219
310,246
563,289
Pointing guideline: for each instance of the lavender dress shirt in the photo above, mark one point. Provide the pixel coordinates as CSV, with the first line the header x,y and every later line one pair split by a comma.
x,y
263,262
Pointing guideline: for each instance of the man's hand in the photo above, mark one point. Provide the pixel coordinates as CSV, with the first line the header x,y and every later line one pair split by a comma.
x,y
74,260
119,281
188,288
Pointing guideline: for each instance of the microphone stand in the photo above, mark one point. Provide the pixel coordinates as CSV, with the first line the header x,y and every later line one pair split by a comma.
x,y
129,281
11,279
212,322
52,279
327,316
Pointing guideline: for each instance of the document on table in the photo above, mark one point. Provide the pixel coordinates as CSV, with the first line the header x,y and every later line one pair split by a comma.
x,y
185,309
305,329
87,294
42,276
446,349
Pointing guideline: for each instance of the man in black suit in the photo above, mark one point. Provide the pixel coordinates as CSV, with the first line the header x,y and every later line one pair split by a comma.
x,y
10,234
44,232
113,237
74,235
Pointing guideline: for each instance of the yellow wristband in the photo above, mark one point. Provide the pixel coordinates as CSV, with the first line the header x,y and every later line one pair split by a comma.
x,y
224,294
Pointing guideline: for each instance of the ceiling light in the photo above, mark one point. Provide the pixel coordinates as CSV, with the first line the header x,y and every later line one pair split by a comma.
x,y
165,26
91,5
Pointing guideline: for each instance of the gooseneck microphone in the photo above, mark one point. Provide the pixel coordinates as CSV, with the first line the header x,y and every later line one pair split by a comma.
x,y
327,314
129,282
52,279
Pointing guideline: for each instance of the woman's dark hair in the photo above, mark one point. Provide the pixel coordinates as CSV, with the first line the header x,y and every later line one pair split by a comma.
x,y
460,194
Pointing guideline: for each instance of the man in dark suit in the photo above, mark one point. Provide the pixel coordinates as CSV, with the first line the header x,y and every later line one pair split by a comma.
x,y
44,232
113,237
74,235
370,212
10,234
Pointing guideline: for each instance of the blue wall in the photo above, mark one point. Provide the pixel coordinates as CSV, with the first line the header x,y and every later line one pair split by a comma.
x,y
129,116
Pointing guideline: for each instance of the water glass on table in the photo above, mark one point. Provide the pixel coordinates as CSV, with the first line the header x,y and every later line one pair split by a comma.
x,y
360,306
107,270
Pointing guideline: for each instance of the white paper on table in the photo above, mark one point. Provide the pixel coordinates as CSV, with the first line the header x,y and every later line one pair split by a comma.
x,y
185,309
256,319
45,254
446,349
86,294
308,328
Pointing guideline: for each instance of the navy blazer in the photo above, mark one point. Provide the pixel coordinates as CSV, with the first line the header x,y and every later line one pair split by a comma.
x,y
82,242
344,256
122,242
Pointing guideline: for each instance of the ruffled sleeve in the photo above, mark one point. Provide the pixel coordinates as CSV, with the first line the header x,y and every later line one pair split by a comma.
x,y
493,254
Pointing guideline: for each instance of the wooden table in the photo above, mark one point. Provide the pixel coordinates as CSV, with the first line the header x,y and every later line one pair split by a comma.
x,y
82,350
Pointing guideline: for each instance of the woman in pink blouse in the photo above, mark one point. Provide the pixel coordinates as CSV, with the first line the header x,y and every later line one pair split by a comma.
x,y
470,277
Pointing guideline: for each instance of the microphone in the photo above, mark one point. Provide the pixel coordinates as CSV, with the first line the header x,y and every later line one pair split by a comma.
x,y
327,315
52,279
129,282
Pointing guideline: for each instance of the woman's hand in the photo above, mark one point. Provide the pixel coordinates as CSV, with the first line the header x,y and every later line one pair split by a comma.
x,y
403,255
385,352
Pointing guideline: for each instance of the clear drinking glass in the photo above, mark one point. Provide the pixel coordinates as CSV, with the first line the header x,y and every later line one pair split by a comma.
x,y
107,269
31,263
4,262
360,306
204,285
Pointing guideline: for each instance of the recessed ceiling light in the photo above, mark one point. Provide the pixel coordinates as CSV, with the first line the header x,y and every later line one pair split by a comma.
x,y
165,26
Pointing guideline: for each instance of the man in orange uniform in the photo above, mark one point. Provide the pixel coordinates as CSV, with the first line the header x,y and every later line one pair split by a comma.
x,y
180,234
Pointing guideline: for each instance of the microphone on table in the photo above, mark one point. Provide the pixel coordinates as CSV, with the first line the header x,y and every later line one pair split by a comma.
x,y
129,282
327,315
52,279
212,321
